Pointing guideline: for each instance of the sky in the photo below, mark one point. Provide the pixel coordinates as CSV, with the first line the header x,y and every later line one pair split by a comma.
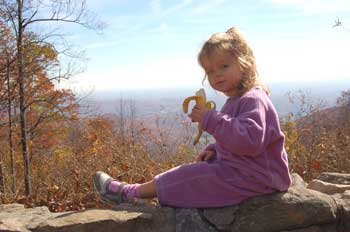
x,y
154,44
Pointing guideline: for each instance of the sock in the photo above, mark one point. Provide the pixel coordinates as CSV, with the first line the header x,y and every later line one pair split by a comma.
x,y
130,190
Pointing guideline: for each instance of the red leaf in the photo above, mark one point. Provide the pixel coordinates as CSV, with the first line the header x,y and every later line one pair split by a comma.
x,y
316,165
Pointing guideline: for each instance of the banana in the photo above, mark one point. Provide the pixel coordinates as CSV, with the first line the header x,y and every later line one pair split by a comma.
x,y
201,99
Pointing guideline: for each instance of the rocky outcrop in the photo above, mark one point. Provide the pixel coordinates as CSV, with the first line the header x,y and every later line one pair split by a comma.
x,y
298,210
297,181
327,188
140,216
335,178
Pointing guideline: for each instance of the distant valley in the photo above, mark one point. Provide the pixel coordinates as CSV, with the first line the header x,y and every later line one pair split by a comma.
x,y
146,103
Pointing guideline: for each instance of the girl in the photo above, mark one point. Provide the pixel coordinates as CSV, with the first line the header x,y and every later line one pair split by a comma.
x,y
248,157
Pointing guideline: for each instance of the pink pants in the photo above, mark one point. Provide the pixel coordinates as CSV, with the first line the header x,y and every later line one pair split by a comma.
x,y
206,184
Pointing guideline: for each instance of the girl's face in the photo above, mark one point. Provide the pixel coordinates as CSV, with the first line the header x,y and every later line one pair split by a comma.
x,y
224,73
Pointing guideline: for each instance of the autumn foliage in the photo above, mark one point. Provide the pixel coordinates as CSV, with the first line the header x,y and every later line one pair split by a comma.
x,y
66,153
66,146
318,139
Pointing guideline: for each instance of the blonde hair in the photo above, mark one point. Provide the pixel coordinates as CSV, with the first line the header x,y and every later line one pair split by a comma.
x,y
232,42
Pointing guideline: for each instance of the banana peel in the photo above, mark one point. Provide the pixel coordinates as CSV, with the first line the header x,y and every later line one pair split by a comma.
x,y
201,99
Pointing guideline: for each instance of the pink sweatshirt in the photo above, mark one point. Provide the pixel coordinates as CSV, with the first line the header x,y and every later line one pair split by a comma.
x,y
249,138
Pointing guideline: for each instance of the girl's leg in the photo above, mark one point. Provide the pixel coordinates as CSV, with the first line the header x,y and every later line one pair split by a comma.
x,y
145,190
114,191
203,185
148,190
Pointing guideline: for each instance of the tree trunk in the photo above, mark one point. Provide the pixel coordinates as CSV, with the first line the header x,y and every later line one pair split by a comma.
x,y
22,109
2,180
2,175
9,99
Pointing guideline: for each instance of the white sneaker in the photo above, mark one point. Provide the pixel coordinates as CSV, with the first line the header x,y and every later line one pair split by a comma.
x,y
101,181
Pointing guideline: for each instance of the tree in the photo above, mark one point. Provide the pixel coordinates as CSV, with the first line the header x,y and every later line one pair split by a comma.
x,y
21,15
6,68
344,103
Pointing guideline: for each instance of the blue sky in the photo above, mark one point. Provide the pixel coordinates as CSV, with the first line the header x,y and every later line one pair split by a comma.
x,y
154,44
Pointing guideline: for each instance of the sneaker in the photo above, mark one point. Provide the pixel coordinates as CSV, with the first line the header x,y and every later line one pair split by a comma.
x,y
101,181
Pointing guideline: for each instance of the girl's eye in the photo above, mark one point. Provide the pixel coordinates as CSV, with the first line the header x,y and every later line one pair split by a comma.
x,y
225,66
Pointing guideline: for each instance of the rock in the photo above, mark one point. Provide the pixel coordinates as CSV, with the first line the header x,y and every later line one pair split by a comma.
x,y
190,220
138,216
163,218
335,178
97,220
321,228
8,208
297,208
297,181
327,188
221,218
343,213
10,225
14,217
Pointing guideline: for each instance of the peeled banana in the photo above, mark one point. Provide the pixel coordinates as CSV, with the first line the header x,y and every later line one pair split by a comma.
x,y
201,99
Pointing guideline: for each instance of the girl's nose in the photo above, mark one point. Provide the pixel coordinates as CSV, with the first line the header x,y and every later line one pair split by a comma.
x,y
218,73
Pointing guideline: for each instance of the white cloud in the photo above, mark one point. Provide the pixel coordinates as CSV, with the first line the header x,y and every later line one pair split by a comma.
x,y
164,72
294,55
100,4
316,6
161,11
314,57
162,28
103,44
308,57
204,7
179,6
156,6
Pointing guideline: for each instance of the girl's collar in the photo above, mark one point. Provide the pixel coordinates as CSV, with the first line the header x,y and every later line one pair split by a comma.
x,y
232,97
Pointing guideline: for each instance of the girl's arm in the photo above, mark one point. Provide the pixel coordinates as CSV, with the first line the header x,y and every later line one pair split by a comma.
x,y
242,135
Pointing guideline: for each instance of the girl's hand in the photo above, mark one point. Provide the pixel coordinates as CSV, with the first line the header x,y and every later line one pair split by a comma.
x,y
205,155
197,113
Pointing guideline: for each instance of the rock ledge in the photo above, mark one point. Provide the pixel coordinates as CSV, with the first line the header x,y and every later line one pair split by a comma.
x,y
322,206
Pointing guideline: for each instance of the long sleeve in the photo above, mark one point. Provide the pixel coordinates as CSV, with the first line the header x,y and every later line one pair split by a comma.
x,y
243,134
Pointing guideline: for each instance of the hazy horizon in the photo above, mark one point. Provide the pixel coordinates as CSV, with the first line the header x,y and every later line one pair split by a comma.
x,y
168,101
275,87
